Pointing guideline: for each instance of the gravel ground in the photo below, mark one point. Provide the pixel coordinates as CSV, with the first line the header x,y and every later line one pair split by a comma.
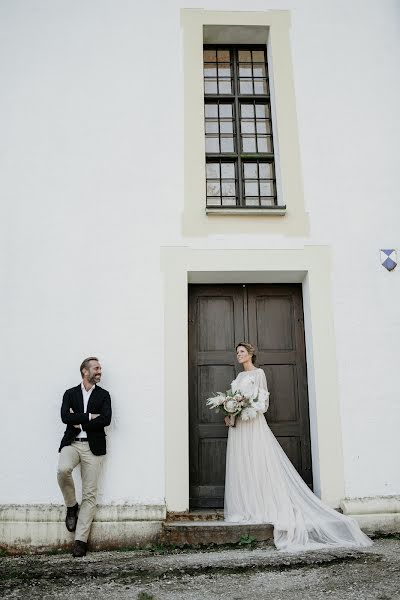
x,y
259,573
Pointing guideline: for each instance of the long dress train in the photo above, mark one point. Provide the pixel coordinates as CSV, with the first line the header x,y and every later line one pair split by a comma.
x,y
262,486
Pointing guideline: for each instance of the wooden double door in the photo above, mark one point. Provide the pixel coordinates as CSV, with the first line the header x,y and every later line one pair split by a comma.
x,y
271,318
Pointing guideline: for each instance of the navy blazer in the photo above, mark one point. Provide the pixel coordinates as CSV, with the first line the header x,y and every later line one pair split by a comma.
x,y
99,404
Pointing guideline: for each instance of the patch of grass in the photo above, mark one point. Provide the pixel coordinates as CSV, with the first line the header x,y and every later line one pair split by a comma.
x,y
4,552
55,551
128,549
145,596
385,536
162,548
247,540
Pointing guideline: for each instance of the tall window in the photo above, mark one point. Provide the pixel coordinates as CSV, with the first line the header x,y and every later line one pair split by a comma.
x,y
240,168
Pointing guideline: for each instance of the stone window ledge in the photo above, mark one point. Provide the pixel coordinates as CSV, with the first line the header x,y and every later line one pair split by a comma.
x,y
270,210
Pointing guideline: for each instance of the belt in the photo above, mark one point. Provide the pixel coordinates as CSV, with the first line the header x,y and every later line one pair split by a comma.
x,y
80,440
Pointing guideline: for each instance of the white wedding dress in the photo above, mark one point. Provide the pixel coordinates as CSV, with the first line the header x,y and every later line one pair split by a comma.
x,y
262,486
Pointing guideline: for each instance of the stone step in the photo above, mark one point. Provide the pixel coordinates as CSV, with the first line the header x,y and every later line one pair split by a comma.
x,y
204,533
210,514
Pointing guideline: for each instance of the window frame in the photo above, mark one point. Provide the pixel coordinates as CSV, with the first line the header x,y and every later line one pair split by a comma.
x,y
238,157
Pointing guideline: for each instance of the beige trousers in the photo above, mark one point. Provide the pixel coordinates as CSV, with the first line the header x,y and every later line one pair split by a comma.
x,y
70,457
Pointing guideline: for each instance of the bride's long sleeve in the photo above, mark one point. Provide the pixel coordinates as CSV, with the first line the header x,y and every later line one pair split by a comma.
x,y
263,393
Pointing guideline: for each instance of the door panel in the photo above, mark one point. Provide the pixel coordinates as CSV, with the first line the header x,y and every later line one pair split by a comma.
x,y
219,316
215,318
273,326
277,326
281,384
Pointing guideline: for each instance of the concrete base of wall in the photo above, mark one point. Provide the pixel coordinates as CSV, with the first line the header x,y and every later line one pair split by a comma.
x,y
378,515
41,527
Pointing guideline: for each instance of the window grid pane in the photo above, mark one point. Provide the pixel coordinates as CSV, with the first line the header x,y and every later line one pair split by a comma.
x,y
219,128
218,77
256,127
252,72
221,183
259,183
238,128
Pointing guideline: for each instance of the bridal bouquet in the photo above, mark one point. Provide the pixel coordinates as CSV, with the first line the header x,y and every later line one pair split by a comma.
x,y
235,403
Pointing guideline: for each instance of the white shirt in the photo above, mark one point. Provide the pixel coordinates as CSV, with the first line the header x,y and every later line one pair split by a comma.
x,y
86,396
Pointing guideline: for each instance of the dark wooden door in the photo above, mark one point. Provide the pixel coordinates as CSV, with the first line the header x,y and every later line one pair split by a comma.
x,y
271,318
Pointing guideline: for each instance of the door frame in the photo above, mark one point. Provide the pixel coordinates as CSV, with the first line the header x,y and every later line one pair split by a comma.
x,y
240,303
309,265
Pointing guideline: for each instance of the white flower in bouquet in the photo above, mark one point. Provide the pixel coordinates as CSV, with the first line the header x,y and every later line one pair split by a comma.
x,y
248,413
243,404
231,405
216,401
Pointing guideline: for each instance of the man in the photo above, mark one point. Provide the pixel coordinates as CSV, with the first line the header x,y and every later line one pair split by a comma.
x,y
86,410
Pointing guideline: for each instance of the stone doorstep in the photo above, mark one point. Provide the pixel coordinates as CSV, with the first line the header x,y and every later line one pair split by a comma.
x,y
204,533
211,514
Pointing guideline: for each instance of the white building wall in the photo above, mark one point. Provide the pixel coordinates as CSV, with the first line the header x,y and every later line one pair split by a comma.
x,y
348,138
92,185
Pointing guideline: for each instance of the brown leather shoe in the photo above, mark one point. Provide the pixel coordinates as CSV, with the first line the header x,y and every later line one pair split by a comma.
x,y
79,549
72,517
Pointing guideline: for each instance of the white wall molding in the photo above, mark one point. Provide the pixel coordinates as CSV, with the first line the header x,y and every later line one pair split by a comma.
x,y
376,515
310,265
272,28
41,526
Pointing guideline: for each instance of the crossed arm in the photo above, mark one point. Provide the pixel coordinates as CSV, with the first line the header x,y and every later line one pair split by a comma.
x,y
92,422
91,416
98,422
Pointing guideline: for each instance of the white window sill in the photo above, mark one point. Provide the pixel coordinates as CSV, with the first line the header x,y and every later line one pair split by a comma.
x,y
268,210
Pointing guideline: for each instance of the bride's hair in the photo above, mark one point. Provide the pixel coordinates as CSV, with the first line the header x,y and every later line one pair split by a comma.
x,y
250,349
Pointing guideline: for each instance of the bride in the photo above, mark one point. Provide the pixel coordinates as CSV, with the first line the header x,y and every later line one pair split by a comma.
x,y
262,486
